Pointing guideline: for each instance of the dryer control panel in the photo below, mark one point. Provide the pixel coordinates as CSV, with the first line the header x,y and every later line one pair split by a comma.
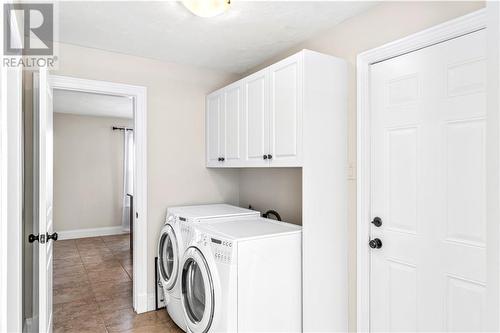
x,y
222,249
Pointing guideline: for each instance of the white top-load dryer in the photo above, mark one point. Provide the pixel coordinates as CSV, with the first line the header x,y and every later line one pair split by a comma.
x,y
242,275
171,247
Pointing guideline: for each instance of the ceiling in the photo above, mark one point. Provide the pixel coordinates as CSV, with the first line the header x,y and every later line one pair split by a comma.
x,y
87,104
249,33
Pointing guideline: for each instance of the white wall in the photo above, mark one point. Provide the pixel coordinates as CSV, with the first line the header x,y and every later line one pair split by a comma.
x,y
384,23
176,135
87,146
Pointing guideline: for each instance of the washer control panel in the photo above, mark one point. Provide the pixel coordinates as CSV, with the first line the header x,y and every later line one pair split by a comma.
x,y
222,249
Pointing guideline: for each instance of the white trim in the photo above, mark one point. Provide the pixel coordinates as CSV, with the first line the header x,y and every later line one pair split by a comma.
x,y
10,195
91,232
440,33
493,169
139,96
11,201
151,300
28,325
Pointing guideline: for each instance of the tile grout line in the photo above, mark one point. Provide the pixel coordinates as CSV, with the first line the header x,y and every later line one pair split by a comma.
x,y
91,288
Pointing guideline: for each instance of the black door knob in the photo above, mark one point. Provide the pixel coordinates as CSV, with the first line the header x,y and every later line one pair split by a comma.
x,y
53,236
264,156
377,221
269,156
375,243
32,238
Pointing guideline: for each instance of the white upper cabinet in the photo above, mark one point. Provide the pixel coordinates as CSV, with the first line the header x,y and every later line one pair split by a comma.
x,y
214,129
286,112
233,114
256,119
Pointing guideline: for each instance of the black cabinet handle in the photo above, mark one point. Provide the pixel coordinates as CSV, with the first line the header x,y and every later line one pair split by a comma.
x,y
264,156
54,236
269,156
222,159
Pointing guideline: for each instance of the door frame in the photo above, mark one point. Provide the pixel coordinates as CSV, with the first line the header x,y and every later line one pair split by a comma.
x,y
452,29
138,95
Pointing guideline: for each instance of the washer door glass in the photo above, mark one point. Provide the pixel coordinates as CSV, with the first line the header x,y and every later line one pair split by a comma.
x,y
168,255
195,292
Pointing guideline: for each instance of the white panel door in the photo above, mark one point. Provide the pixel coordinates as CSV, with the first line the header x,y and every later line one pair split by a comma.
x,y
256,119
286,111
233,112
44,108
215,129
428,188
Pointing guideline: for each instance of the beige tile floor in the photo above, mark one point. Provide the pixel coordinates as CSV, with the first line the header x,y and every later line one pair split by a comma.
x,y
93,289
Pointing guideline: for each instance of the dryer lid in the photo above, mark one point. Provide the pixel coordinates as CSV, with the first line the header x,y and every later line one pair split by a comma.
x,y
210,211
252,228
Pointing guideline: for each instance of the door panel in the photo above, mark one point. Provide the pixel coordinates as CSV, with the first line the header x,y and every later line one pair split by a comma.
x,y
44,108
256,119
233,113
214,129
286,111
429,187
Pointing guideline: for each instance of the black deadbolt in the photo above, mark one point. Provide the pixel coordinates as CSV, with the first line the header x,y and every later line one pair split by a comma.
x,y
377,221
375,243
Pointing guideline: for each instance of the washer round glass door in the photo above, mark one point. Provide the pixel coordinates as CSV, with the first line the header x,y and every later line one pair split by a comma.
x,y
197,291
168,257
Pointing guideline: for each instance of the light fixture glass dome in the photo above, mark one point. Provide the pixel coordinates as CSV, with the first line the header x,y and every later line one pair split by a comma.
x,y
207,8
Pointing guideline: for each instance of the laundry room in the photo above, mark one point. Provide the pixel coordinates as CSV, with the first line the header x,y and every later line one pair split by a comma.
x,y
251,166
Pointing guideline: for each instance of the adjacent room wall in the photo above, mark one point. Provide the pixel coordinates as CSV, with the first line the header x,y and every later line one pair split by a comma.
x,y
383,23
176,129
88,171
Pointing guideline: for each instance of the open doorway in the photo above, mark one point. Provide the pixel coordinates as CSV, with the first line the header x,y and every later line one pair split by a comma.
x,y
87,189
93,193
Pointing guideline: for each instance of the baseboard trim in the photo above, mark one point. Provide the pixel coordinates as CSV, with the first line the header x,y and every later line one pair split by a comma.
x,y
91,232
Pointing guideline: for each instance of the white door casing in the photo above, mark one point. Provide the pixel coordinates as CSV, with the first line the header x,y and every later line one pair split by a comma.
x,y
142,301
285,136
45,197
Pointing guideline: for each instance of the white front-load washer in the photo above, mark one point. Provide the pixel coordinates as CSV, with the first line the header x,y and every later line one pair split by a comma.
x,y
171,247
242,275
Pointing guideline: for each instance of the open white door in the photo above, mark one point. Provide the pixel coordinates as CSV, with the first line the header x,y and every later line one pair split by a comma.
x,y
43,111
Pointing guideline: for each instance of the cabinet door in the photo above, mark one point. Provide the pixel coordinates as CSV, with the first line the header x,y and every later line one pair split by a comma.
x,y
214,129
256,119
233,113
286,111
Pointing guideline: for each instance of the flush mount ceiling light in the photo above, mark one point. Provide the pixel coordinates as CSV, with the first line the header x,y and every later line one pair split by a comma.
x,y
207,8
